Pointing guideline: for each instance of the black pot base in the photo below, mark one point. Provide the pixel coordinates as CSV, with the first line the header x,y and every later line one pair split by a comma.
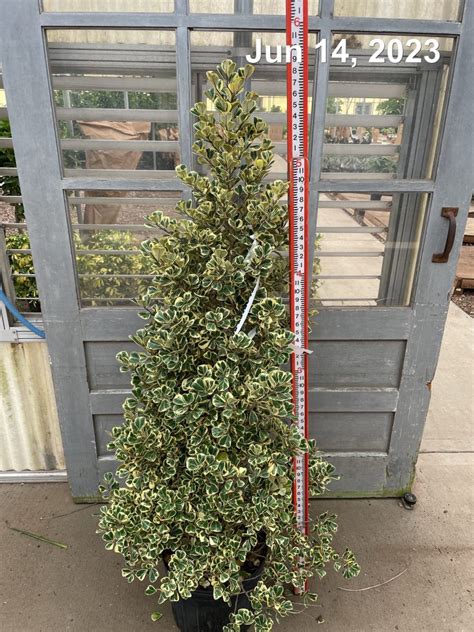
x,y
202,613
206,614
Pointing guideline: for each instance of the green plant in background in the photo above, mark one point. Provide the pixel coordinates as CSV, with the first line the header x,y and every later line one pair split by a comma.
x,y
95,265
207,445
118,99
333,105
10,185
359,164
391,106
22,263
90,263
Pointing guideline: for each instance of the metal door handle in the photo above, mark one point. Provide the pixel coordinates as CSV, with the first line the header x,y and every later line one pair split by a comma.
x,y
450,214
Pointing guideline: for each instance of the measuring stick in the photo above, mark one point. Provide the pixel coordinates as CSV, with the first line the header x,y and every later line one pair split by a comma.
x,y
300,279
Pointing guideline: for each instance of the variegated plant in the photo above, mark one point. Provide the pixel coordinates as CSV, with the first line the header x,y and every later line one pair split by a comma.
x,y
207,444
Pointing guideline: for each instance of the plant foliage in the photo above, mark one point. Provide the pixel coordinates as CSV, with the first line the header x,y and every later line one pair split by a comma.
x,y
92,265
207,443
10,185
21,263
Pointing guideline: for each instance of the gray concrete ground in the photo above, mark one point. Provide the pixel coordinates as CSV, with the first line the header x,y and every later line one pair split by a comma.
x,y
47,589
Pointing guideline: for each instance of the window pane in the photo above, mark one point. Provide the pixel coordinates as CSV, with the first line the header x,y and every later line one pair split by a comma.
x,y
21,285
265,7
376,113
116,101
408,9
16,268
119,6
209,48
271,7
107,229
367,248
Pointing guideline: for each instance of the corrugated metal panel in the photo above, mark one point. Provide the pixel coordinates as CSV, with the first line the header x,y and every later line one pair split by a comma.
x,y
29,429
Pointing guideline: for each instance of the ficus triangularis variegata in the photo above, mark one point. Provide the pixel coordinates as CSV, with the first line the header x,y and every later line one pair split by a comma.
x,y
205,451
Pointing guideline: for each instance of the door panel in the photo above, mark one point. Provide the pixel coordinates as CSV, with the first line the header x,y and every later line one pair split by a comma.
x,y
102,367
384,125
352,431
356,363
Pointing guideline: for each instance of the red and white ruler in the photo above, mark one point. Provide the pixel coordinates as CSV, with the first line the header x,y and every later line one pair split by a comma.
x,y
300,278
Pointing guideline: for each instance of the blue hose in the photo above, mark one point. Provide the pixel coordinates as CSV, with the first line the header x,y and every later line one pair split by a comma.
x,y
13,310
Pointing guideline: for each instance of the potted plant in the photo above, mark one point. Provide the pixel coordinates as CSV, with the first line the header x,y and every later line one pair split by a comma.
x,y
207,444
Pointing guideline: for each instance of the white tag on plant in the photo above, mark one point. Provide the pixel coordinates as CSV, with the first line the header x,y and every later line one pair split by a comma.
x,y
251,252
248,306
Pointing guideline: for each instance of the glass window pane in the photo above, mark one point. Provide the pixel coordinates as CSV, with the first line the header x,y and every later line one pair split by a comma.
x,y
118,6
367,247
21,286
272,7
258,7
209,48
377,112
17,272
408,9
107,229
116,101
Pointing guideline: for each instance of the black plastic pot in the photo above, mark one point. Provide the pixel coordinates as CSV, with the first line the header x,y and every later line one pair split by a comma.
x,y
202,613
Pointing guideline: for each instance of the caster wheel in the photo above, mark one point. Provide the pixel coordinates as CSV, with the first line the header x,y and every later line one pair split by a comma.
x,y
408,501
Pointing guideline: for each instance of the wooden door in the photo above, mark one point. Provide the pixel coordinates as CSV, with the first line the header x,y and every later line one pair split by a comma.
x,y
389,150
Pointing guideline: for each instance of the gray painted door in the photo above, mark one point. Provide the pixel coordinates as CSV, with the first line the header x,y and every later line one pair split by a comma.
x,y
99,120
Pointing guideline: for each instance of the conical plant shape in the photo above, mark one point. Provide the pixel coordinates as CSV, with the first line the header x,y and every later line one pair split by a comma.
x,y
207,444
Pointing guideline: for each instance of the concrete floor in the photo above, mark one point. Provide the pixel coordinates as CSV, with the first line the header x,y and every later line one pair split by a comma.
x,y
47,589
